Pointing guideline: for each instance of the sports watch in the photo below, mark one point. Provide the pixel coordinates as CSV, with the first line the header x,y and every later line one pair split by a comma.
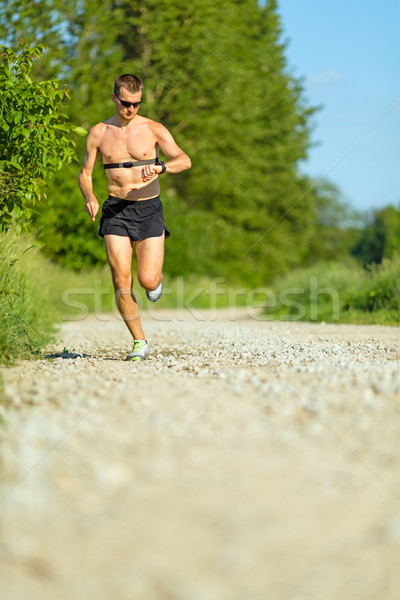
x,y
163,167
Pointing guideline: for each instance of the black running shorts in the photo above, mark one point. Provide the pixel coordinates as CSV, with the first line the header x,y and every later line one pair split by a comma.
x,y
139,220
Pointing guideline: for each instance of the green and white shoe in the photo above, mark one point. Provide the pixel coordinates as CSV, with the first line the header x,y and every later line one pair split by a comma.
x,y
139,351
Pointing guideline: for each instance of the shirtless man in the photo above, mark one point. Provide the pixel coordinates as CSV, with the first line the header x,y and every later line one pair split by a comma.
x,y
129,146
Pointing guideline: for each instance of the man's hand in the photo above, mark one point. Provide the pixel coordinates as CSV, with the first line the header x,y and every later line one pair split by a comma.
x,y
150,171
92,208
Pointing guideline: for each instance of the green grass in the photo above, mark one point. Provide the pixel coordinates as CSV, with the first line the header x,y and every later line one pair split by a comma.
x,y
36,294
34,297
26,318
77,294
340,292
332,292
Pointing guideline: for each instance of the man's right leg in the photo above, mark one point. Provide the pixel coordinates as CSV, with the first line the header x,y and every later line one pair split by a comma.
x,y
119,255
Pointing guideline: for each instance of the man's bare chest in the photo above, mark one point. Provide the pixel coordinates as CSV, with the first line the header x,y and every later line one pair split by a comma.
x,y
119,145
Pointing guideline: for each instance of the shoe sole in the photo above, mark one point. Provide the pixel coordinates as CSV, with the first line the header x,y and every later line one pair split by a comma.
x,y
157,298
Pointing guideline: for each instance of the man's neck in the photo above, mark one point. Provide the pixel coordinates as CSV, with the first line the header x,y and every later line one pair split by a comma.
x,y
123,123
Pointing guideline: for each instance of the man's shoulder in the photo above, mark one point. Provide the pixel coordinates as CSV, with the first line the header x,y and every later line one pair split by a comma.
x,y
155,126
99,128
140,120
96,132
152,127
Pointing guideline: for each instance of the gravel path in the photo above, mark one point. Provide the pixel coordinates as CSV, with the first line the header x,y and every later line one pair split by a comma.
x,y
243,460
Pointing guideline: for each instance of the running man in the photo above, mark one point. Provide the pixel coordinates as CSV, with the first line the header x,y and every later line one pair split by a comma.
x,y
129,145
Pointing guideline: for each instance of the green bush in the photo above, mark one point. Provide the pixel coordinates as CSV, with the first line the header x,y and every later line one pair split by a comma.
x,y
339,292
380,236
26,312
383,287
36,294
64,228
35,136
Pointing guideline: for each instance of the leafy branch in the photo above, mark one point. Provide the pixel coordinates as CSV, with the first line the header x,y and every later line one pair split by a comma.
x,y
35,135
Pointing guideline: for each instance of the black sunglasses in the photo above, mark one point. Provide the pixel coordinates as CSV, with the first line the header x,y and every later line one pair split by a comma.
x,y
128,104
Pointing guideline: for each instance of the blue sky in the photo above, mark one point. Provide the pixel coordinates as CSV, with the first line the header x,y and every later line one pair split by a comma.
x,y
348,52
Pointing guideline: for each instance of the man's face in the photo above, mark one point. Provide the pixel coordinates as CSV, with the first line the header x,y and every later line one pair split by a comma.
x,y
127,112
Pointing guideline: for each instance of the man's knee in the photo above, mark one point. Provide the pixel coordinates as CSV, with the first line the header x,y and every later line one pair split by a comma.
x,y
149,281
122,282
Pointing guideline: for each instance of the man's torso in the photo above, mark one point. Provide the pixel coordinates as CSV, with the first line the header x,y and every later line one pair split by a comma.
x,y
135,142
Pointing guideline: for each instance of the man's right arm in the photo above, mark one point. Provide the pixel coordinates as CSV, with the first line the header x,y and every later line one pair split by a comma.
x,y
85,175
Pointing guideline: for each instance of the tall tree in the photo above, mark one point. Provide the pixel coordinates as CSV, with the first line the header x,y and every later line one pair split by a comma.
x,y
218,79
337,224
215,74
380,236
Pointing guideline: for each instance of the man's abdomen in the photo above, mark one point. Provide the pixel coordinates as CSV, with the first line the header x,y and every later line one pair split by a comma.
x,y
134,191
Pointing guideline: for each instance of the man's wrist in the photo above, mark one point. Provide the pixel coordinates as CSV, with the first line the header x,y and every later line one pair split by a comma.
x,y
163,167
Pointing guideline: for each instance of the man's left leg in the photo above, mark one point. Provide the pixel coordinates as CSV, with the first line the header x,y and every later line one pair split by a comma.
x,y
150,258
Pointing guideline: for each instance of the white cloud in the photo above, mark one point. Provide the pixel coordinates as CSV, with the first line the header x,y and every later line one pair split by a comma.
x,y
328,77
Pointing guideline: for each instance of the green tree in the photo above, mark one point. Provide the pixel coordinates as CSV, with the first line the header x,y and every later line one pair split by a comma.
x,y
35,137
380,236
214,74
338,227
218,80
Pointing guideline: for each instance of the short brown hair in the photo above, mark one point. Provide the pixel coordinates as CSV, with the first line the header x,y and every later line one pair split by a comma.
x,y
132,83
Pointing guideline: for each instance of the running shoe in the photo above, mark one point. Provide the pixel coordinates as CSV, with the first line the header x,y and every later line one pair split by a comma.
x,y
139,351
156,294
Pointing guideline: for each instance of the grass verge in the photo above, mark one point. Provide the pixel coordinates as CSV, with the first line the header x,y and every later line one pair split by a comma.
x,y
339,292
26,315
35,294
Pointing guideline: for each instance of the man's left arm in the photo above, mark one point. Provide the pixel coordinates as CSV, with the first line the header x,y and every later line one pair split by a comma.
x,y
178,159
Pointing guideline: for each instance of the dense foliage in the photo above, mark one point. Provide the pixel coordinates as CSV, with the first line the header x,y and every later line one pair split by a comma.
x,y
35,137
380,236
26,313
339,292
214,74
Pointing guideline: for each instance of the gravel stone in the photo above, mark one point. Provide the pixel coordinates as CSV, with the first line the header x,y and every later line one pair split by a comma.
x,y
245,458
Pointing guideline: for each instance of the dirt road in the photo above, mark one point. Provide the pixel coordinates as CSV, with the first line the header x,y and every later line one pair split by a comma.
x,y
242,460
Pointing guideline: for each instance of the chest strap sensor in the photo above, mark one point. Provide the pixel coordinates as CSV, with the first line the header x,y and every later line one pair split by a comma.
x,y
129,165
